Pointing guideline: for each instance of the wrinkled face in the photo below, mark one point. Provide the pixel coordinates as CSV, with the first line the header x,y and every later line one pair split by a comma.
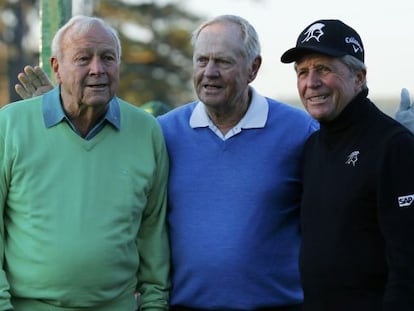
x,y
326,85
221,72
88,70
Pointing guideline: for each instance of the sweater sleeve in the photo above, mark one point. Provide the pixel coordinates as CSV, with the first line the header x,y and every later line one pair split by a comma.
x,y
396,218
5,303
153,245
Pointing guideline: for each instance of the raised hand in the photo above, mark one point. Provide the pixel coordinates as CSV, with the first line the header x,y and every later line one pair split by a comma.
x,y
33,82
405,113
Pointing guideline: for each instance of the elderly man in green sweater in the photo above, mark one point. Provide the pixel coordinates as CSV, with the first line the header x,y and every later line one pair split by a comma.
x,y
82,188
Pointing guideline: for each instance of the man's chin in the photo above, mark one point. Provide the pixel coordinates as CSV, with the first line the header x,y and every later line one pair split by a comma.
x,y
210,99
97,101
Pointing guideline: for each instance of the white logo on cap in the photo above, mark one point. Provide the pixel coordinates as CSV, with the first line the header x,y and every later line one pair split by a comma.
x,y
355,44
314,31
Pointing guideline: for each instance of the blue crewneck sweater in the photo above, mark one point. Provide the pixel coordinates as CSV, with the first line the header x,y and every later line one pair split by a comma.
x,y
233,211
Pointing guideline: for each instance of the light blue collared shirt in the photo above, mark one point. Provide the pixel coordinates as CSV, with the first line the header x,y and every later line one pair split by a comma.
x,y
53,114
255,117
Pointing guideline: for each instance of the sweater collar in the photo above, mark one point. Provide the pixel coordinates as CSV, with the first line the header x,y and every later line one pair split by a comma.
x,y
53,112
255,116
352,113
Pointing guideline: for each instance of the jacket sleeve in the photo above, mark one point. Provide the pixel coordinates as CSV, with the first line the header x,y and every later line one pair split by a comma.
x,y
396,218
5,303
153,274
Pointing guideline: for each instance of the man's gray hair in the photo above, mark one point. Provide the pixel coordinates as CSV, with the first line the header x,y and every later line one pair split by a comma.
x,y
355,65
251,44
81,24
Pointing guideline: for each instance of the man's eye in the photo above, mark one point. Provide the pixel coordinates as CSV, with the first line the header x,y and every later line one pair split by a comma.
x,y
322,69
109,58
202,61
301,73
224,63
82,60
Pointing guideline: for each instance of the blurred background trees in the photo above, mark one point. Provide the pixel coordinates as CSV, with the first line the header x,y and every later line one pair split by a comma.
x,y
156,57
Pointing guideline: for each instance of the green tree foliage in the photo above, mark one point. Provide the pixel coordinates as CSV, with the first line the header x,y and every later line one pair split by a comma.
x,y
156,56
15,17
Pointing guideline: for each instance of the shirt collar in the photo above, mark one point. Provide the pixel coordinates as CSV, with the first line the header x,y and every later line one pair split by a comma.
x,y
255,116
53,112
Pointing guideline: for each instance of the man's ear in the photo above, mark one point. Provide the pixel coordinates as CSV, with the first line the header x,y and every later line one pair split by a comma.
x,y
54,64
255,68
361,77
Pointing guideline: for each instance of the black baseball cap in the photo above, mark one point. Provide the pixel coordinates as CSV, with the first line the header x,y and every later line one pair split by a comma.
x,y
330,37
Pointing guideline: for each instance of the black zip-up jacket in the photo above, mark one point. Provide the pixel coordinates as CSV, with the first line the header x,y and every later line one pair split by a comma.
x,y
358,213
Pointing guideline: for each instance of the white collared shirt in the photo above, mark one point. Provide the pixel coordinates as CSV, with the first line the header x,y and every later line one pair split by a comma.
x,y
255,117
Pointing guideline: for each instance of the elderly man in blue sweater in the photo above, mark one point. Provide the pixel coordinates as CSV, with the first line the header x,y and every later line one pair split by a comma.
x,y
235,184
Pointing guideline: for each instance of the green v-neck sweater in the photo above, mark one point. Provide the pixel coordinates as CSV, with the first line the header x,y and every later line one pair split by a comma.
x,y
83,221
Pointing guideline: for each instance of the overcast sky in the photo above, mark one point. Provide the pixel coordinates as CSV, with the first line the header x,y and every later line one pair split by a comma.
x,y
386,29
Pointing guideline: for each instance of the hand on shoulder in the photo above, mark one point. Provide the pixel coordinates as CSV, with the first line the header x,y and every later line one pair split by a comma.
x,y
33,82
